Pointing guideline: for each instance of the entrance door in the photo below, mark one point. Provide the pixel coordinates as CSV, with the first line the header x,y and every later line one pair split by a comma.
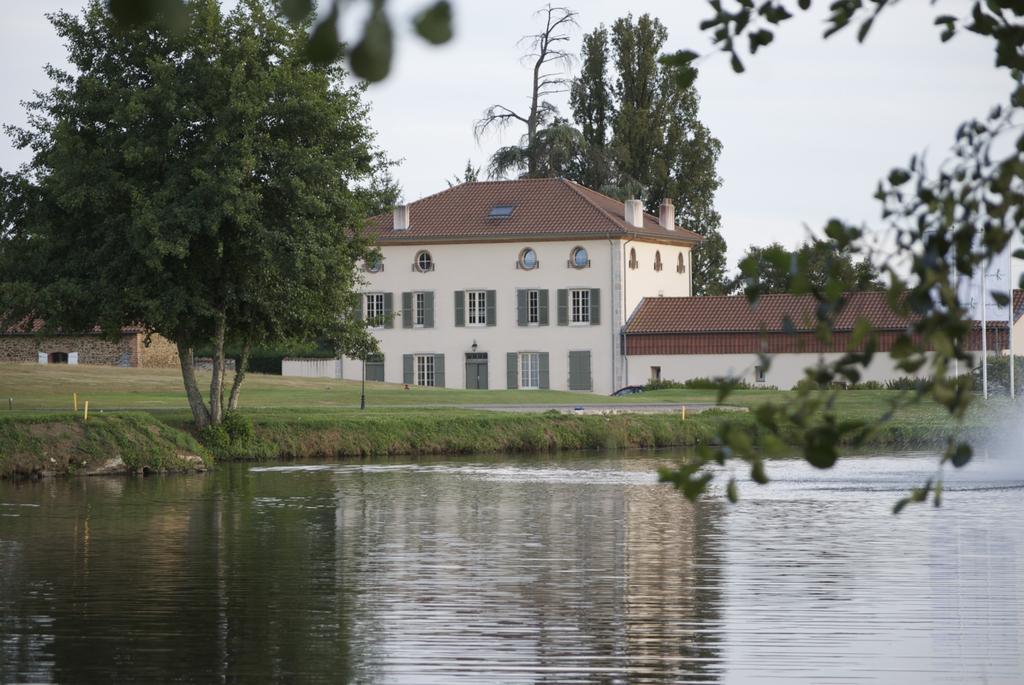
x,y
476,370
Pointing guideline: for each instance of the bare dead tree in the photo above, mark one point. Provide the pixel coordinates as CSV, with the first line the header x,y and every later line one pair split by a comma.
x,y
551,62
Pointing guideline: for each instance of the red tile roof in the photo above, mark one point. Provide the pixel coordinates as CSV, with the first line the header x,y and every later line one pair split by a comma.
x,y
33,326
541,207
734,314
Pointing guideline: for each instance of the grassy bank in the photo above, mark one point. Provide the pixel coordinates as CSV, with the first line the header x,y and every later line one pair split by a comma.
x,y
32,446
140,416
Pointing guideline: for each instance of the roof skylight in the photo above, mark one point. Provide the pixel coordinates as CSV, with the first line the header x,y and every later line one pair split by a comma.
x,y
500,212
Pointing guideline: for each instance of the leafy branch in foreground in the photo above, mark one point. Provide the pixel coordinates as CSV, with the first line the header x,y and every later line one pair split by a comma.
x,y
369,55
944,226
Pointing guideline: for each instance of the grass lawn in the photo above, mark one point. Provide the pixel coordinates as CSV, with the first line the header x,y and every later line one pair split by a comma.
x,y
142,415
47,388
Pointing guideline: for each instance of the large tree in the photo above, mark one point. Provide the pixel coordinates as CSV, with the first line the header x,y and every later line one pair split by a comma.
x,y
644,138
204,183
549,59
815,265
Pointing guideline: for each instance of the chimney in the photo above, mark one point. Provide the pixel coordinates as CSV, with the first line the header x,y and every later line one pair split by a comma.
x,y
401,222
635,213
667,215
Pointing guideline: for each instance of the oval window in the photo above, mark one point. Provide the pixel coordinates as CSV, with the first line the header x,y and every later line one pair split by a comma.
x,y
374,264
424,262
579,258
528,259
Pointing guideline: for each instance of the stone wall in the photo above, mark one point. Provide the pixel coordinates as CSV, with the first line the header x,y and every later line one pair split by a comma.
x,y
160,354
91,349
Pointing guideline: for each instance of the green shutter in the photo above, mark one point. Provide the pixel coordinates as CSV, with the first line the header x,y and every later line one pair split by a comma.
x,y
406,310
543,307
512,362
407,375
563,307
579,371
521,306
595,306
439,370
428,310
389,310
460,307
492,308
359,310
545,374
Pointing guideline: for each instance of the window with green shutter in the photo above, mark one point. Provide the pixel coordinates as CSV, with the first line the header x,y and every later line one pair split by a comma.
x,y
563,306
579,370
512,370
406,310
460,307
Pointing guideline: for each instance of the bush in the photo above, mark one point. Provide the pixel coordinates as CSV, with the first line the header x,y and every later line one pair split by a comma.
x,y
999,375
704,383
233,438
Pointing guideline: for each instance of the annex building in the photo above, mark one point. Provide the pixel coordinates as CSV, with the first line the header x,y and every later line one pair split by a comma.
x,y
515,284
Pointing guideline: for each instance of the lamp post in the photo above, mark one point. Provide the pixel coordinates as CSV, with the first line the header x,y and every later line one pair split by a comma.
x,y
362,392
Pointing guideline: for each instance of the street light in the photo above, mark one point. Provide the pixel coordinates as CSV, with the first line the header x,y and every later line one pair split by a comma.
x,y
473,346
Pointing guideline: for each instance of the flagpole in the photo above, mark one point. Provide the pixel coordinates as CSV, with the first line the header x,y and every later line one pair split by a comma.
x,y
1013,394
984,332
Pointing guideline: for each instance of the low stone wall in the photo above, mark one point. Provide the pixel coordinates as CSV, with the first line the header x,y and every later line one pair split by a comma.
x,y
160,354
91,349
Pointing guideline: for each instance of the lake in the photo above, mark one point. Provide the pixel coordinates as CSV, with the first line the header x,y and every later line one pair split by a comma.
x,y
578,568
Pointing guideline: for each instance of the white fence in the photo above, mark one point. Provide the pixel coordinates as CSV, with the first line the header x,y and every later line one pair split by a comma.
x,y
311,368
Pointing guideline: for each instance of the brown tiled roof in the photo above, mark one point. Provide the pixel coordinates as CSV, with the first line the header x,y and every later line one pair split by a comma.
x,y
734,314
541,207
29,326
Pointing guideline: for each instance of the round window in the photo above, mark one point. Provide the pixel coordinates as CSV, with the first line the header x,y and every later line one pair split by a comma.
x,y
374,264
579,259
528,259
424,262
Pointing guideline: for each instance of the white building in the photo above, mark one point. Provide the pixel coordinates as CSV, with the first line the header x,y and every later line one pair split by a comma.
x,y
515,284
681,339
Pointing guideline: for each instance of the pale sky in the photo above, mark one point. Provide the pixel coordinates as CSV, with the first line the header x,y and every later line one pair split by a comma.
x,y
807,131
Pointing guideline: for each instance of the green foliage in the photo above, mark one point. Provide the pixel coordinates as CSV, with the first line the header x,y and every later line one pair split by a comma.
x,y
240,230
371,53
703,383
234,438
999,375
814,266
657,147
945,223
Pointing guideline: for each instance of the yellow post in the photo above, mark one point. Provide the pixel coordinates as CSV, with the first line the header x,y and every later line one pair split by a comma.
x,y
85,416
74,401
682,412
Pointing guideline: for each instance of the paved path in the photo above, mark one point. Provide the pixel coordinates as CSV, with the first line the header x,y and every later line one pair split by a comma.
x,y
637,408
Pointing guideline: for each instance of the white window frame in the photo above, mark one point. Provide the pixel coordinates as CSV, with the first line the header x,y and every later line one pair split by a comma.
x,y
532,307
419,308
579,307
375,309
476,307
529,370
425,370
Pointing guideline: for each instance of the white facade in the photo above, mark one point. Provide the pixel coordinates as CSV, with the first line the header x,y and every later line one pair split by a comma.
x,y
785,371
493,267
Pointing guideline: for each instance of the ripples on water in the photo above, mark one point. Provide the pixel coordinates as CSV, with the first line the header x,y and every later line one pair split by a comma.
x,y
543,570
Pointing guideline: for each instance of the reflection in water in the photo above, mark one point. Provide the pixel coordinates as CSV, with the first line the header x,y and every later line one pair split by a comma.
x,y
533,571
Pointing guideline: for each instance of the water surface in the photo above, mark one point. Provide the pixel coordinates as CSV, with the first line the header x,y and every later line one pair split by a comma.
x,y
578,569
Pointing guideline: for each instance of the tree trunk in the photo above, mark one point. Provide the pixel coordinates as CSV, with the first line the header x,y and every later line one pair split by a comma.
x,y
236,386
217,382
200,414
